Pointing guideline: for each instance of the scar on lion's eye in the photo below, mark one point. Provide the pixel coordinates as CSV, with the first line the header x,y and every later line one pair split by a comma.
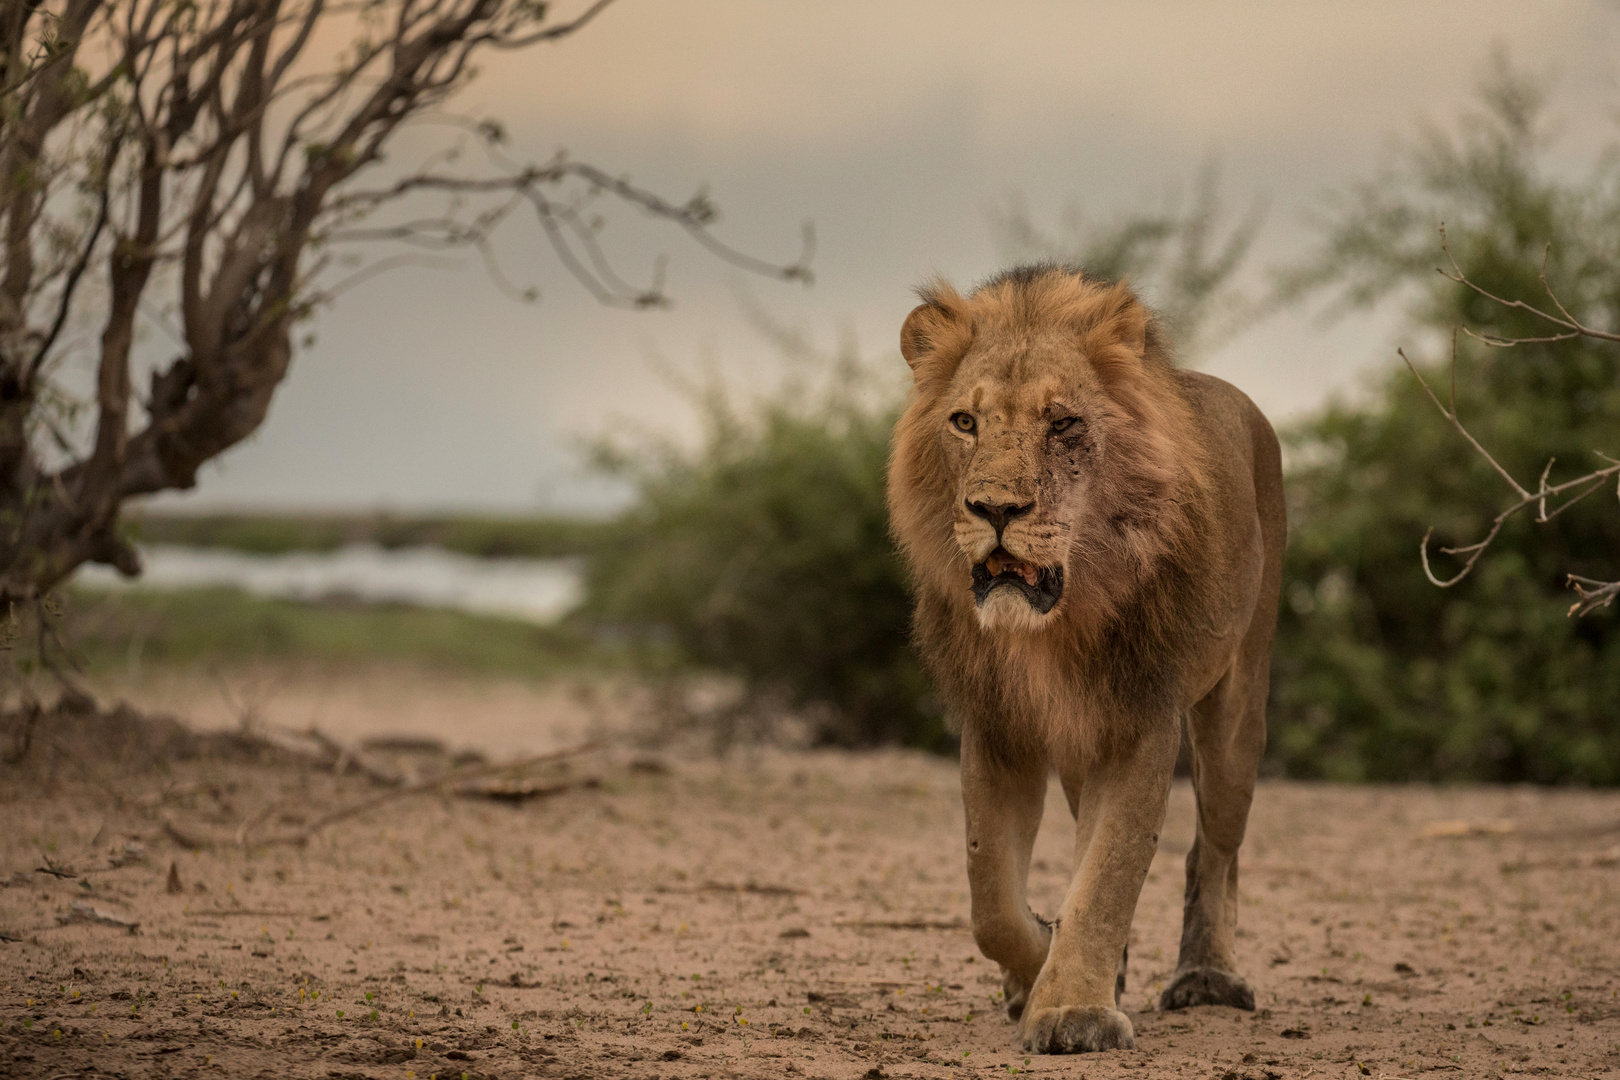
x,y
1064,423
963,422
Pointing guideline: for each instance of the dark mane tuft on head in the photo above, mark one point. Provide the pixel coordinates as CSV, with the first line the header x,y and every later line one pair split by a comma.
x,y
1020,278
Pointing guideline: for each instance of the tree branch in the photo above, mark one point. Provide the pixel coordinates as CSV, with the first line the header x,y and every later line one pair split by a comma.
x,y
197,147
1593,593
1572,326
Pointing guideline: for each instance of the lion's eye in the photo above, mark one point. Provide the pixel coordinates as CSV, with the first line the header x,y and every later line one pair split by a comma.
x,y
963,422
1064,423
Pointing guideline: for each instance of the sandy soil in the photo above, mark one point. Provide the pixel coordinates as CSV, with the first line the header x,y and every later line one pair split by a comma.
x,y
768,915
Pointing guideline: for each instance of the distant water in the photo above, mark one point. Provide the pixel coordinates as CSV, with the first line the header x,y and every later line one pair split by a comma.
x,y
535,590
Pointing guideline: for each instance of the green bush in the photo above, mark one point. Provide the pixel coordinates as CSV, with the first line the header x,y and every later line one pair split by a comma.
x,y
765,553
1378,674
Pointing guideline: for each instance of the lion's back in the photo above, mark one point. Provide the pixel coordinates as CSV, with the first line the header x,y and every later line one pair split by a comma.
x,y
1242,448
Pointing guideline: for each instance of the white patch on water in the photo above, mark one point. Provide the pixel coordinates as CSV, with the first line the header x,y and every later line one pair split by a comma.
x,y
535,590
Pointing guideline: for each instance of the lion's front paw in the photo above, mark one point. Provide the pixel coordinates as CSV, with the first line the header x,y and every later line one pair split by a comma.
x,y
1076,1029
1207,986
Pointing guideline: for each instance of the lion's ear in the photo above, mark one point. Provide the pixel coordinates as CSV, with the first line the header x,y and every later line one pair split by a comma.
x,y
934,327
920,331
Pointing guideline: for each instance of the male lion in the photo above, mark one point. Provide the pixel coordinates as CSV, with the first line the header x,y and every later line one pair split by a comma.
x,y
1095,540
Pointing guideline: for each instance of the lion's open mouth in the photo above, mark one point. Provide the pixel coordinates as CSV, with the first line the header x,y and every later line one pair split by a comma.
x,y
1041,585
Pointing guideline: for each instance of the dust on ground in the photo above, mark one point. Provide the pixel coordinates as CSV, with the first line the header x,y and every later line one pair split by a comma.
x,y
769,914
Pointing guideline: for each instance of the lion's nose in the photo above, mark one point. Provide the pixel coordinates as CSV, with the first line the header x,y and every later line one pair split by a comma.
x,y
998,514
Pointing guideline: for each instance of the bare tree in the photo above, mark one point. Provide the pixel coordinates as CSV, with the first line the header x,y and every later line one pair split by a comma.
x,y
1561,326
196,165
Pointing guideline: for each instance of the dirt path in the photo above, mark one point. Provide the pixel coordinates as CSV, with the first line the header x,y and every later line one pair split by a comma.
x,y
776,915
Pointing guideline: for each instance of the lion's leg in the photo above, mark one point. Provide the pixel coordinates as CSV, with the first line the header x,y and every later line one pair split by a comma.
x,y
1119,808
1073,782
1003,802
1228,732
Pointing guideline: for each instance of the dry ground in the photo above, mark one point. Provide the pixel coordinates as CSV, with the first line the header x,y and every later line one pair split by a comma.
x,y
767,915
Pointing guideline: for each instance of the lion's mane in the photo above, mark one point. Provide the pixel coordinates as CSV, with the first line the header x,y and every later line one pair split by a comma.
x,y
1134,557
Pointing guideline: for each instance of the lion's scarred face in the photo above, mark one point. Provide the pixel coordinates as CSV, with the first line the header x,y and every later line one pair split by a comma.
x,y
1020,436
1026,390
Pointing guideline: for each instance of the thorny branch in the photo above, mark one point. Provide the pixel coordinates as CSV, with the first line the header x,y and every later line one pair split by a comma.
x,y
1593,593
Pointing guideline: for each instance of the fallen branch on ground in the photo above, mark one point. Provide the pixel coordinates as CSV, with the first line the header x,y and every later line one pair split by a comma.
x,y
80,911
520,791
304,835
902,924
751,887
342,758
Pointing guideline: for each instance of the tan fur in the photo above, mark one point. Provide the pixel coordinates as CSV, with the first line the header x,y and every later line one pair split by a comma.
x,y
1162,503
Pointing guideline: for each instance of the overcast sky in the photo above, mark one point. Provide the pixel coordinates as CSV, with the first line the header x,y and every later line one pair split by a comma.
x,y
895,127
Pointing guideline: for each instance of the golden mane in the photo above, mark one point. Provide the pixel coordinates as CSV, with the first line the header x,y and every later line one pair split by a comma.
x,y
1154,485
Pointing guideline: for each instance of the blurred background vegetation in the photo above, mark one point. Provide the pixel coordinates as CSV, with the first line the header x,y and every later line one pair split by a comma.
x,y
1377,674
764,553
124,632
278,534
761,551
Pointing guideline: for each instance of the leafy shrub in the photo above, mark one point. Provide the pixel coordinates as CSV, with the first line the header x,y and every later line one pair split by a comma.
x,y
1377,673
765,553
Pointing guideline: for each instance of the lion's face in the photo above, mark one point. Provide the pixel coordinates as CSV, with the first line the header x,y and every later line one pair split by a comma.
x,y
1020,432
1034,456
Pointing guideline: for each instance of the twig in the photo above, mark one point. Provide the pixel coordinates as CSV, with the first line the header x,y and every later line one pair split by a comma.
x,y
173,791
903,924
257,913
1573,326
185,839
1593,594
80,911
345,756
1602,593
249,824
751,887
304,835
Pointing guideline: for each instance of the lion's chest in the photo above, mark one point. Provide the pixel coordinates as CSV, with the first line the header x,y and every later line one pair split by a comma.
x,y
1042,697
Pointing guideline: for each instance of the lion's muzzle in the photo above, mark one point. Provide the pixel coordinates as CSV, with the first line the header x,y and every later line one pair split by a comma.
x,y
1042,586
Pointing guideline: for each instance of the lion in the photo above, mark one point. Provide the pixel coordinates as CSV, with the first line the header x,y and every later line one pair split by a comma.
x,y
1095,544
